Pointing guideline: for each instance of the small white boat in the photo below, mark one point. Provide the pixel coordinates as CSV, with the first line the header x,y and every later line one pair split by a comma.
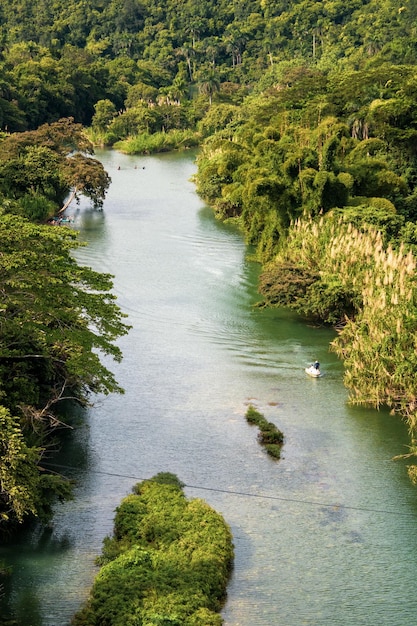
x,y
313,371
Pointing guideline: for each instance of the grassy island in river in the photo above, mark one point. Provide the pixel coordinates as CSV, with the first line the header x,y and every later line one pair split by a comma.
x,y
167,564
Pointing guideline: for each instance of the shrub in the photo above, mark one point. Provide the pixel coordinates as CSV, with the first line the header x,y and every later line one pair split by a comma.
x,y
167,564
253,416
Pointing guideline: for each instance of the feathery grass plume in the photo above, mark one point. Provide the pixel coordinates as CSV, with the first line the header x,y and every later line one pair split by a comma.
x,y
377,343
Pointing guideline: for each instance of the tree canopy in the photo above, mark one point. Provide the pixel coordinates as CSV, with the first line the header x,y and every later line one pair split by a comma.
x,y
57,318
168,561
65,57
51,163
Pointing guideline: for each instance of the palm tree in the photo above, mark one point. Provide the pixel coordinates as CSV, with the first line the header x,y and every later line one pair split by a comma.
x,y
209,84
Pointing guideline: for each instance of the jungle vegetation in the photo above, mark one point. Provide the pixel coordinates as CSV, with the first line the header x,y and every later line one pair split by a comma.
x,y
141,66
57,317
319,172
305,112
168,561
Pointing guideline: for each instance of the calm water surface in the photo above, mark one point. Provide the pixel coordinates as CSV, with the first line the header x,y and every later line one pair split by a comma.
x,y
326,536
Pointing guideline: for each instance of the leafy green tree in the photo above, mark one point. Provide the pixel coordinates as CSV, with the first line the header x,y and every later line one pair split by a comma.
x,y
57,318
217,118
19,476
136,120
12,118
104,112
141,93
52,162
85,176
34,171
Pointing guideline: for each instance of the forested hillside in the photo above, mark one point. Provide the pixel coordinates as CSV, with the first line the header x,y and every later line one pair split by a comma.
x,y
60,58
305,112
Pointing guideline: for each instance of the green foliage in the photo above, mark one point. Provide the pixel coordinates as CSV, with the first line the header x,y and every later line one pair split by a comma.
x,y
50,163
58,319
35,207
64,58
303,277
285,283
19,477
362,282
209,84
25,491
158,142
61,327
163,478
305,165
34,170
376,344
269,435
104,112
253,416
168,562
328,300
217,118
377,212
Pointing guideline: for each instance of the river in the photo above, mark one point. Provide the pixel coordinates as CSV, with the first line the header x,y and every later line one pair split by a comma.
x,y
326,536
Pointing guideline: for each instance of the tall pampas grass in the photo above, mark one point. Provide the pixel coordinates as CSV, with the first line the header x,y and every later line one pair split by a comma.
x,y
378,346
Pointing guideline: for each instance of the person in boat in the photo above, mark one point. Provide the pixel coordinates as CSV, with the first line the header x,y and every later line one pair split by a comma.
x,y
316,365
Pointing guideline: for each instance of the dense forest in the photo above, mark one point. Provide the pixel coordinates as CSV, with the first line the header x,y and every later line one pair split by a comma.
x,y
151,59
305,114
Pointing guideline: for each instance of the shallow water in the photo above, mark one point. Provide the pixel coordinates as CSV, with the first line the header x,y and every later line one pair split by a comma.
x,y
325,536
